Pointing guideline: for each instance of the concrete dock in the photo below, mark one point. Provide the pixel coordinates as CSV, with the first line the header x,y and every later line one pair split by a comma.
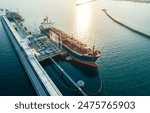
x,y
41,82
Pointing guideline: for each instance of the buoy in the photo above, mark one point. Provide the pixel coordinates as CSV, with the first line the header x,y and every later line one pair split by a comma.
x,y
80,83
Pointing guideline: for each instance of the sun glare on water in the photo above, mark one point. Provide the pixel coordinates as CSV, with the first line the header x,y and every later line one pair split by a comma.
x,y
83,19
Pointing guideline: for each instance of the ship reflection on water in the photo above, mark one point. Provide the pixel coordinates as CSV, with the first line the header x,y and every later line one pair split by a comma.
x,y
91,76
86,70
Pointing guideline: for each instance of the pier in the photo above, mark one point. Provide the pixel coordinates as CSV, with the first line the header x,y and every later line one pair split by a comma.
x,y
78,4
69,78
126,26
41,82
37,47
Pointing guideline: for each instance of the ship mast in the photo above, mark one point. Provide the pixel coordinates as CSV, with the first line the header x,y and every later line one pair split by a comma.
x,y
46,19
93,50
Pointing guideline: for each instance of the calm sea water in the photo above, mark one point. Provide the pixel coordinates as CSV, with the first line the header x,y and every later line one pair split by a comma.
x,y
13,79
124,66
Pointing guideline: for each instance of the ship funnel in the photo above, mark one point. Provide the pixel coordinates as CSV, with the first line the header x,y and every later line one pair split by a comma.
x,y
93,50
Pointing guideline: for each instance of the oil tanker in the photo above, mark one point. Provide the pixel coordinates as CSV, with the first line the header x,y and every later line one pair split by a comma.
x,y
79,51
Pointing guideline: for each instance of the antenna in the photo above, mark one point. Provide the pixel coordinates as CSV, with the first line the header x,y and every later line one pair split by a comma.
x,y
93,50
17,11
35,27
47,19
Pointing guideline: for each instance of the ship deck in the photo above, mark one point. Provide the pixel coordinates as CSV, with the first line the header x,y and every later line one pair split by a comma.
x,y
74,45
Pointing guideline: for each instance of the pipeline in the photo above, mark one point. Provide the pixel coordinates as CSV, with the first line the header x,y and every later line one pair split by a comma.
x,y
128,27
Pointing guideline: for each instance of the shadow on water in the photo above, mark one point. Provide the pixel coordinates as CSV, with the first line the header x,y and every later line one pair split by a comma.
x,y
93,87
85,70
45,62
91,76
